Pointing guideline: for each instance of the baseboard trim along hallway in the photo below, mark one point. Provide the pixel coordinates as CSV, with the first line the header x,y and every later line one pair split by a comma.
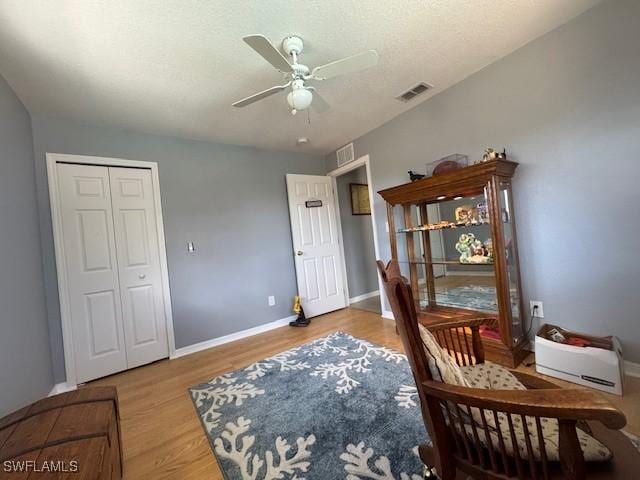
x,y
364,296
232,337
632,369
62,388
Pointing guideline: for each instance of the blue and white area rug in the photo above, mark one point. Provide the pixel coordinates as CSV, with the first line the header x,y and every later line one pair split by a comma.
x,y
478,297
336,408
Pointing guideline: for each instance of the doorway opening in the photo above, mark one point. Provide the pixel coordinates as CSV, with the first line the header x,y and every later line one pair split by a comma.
x,y
358,235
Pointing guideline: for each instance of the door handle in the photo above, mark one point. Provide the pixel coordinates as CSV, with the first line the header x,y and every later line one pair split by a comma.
x,y
142,276
299,252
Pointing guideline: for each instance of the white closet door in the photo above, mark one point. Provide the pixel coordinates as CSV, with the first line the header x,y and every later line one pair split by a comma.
x,y
138,265
92,271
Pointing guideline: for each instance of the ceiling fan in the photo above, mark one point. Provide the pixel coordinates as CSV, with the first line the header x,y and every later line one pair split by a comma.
x,y
301,96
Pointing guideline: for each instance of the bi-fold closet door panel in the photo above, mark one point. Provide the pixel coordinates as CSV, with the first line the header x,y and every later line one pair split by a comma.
x,y
138,265
112,268
93,286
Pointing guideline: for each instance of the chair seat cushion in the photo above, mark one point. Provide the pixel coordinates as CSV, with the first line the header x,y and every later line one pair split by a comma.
x,y
592,449
491,376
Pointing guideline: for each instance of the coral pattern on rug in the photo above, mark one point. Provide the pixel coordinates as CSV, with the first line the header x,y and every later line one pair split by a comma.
x,y
338,407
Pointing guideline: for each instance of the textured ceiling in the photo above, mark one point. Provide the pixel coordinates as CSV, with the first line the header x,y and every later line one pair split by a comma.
x,y
174,67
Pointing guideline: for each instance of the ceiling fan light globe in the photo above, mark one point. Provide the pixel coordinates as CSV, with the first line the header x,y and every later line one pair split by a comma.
x,y
300,98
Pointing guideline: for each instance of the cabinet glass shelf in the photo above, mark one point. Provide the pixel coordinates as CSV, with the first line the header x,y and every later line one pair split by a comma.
x,y
435,226
444,261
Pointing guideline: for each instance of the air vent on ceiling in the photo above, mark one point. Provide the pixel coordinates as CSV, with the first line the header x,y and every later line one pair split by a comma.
x,y
345,154
414,92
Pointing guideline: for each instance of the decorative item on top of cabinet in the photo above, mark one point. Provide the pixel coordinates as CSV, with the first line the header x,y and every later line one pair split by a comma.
x,y
413,176
491,154
455,239
447,164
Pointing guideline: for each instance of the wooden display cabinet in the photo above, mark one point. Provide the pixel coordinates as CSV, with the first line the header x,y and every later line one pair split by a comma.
x,y
454,236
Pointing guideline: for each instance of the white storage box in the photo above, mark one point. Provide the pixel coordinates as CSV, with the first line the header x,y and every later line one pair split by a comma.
x,y
598,366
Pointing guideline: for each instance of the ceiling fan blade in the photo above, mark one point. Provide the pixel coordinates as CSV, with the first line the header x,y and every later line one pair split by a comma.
x,y
271,54
351,64
319,104
260,95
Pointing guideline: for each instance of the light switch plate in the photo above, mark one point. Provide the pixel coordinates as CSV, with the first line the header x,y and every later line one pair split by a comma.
x,y
272,300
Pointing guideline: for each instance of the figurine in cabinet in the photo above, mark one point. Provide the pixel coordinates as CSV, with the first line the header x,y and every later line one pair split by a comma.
x,y
472,250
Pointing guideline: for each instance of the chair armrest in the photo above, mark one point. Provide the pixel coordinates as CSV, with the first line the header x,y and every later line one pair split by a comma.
x,y
563,404
533,382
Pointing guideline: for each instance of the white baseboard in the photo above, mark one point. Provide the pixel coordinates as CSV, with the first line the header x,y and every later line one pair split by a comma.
x,y
364,296
62,388
388,314
232,337
631,368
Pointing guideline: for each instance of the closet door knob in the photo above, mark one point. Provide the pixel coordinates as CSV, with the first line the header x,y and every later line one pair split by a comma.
x,y
299,252
142,276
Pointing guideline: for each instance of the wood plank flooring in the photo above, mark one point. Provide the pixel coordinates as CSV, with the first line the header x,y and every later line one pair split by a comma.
x,y
369,304
161,434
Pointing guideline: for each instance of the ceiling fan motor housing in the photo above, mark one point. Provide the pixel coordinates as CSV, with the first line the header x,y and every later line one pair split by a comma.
x,y
300,70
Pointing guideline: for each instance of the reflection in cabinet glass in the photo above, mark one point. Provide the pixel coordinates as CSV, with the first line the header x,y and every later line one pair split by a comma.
x,y
454,236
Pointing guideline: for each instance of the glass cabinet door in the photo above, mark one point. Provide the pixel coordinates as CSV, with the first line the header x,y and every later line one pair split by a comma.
x,y
447,245
511,258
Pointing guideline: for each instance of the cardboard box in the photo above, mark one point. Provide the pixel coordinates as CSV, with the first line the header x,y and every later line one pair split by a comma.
x,y
598,365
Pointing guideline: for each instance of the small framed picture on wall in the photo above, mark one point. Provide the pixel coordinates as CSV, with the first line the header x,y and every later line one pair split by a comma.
x,y
360,199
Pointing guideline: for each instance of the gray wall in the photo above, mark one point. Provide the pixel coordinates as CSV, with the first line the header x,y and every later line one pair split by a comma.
x,y
25,361
357,237
567,107
230,201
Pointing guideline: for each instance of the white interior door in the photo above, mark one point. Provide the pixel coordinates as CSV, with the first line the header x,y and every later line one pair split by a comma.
x,y
316,248
92,271
138,265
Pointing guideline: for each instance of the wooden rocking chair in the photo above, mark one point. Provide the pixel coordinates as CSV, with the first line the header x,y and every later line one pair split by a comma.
x,y
536,430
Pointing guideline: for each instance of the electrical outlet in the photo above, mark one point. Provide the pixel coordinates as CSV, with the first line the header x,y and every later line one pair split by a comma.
x,y
272,300
539,313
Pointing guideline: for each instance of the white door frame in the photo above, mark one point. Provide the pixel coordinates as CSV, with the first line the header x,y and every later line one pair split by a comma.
x,y
334,174
58,237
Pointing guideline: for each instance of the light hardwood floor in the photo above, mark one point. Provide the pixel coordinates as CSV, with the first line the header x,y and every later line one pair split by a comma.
x,y
161,434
